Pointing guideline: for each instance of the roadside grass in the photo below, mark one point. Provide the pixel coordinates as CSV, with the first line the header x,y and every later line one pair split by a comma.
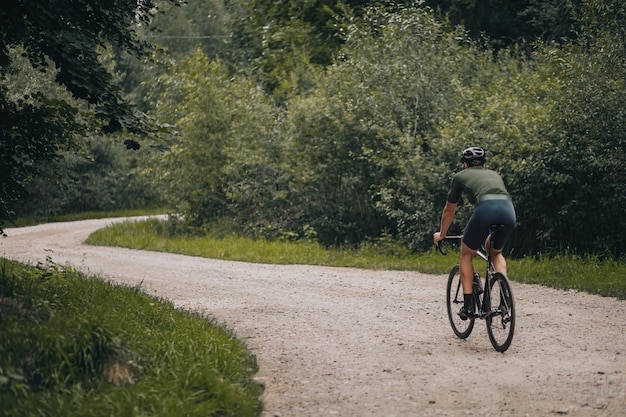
x,y
154,234
72,345
589,274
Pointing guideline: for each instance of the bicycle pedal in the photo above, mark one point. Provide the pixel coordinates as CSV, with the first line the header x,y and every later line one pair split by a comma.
x,y
466,315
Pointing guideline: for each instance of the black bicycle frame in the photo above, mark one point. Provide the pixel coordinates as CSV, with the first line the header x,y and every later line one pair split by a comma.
x,y
484,304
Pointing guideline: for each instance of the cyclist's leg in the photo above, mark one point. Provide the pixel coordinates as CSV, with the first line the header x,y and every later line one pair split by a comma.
x,y
467,267
473,236
497,258
499,262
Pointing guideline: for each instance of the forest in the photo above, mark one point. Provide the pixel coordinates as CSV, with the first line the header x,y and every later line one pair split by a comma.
x,y
335,121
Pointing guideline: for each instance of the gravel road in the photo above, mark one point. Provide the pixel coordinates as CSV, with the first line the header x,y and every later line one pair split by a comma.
x,y
358,343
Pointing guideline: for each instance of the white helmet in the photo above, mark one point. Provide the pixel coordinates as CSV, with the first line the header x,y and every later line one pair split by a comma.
x,y
472,154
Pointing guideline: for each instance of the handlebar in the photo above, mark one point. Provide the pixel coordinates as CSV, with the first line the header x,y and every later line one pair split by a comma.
x,y
439,244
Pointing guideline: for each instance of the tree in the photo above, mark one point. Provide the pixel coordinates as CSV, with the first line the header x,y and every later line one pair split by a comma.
x,y
282,39
506,23
360,143
63,36
222,161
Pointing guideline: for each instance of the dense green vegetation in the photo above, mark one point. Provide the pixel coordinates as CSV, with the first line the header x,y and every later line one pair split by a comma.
x,y
334,121
590,274
55,86
76,346
365,146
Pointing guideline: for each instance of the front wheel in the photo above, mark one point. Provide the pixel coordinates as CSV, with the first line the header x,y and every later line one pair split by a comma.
x,y
501,320
454,301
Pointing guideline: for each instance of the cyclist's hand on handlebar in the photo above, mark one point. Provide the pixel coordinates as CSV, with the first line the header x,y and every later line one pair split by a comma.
x,y
437,238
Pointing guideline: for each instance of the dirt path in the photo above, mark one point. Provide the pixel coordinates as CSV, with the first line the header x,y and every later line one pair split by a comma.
x,y
349,342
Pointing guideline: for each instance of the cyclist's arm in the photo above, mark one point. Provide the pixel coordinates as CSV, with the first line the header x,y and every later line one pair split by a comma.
x,y
446,220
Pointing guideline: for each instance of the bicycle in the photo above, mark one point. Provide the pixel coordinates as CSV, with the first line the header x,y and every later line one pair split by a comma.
x,y
496,306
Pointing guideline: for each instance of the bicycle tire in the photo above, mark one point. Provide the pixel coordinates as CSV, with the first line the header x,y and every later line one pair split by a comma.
x,y
501,320
454,301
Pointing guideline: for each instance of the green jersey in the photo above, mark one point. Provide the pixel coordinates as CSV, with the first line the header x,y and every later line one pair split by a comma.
x,y
479,184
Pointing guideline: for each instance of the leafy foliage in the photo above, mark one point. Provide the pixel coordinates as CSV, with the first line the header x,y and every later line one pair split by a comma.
x,y
224,161
342,122
62,37
43,125
67,32
507,23
368,149
102,176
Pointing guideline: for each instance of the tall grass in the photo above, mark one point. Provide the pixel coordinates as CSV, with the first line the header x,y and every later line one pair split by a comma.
x,y
590,274
71,346
584,273
154,234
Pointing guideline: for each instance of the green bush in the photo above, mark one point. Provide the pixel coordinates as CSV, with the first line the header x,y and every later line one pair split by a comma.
x,y
368,148
102,176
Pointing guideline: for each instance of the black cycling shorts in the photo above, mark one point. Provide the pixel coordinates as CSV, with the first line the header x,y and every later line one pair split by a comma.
x,y
486,214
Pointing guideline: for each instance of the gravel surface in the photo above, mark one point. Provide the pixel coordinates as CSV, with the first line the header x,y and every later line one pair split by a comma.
x,y
350,342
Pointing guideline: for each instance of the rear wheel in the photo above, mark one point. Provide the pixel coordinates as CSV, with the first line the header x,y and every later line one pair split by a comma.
x,y
501,320
454,301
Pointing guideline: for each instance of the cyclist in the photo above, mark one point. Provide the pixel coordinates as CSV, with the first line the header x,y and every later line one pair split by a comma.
x,y
485,188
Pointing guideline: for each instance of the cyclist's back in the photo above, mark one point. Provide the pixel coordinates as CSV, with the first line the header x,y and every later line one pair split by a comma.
x,y
479,184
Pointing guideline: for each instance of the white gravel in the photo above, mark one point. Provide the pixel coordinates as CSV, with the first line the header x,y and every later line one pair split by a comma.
x,y
351,342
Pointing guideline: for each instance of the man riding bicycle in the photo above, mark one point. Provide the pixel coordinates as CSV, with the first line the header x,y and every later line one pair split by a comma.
x,y
485,188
